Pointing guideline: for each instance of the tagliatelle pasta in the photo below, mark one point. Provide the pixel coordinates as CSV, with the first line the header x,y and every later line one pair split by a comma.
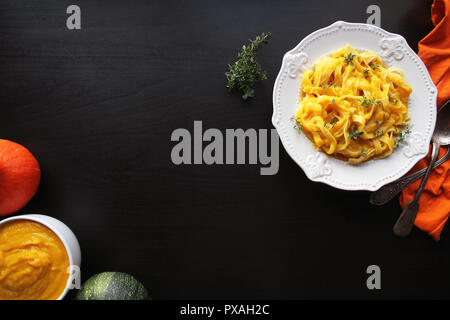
x,y
352,106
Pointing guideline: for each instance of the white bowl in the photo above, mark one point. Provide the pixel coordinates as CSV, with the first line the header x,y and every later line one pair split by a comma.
x,y
67,237
394,51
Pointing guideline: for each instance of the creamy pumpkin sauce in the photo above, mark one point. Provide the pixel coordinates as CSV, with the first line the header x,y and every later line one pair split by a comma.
x,y
33,262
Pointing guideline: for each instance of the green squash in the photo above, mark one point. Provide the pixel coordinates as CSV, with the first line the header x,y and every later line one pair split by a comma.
x,y
112,286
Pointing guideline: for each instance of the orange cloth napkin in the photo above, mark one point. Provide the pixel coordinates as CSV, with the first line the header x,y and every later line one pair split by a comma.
x,y
434,50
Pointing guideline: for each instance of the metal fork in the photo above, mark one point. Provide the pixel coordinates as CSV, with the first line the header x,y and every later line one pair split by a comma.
x,y
390,190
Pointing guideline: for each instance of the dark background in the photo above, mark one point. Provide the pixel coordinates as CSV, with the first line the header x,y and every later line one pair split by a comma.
x,y
97,107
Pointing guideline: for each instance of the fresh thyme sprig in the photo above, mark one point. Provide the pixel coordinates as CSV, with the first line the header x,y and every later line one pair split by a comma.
x,y
349,58
392,97
401,138
355,133
374,66
246,71
366,73
366,103
298,126
363,152
332,123
378,132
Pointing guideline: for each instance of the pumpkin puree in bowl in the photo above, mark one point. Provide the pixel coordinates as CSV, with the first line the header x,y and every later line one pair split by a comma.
x,y
33,262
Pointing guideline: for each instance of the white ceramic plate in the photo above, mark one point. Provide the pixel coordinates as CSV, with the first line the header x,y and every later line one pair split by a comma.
x,y
394,51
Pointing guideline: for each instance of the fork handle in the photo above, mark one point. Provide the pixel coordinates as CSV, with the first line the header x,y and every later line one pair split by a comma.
x,y
405,222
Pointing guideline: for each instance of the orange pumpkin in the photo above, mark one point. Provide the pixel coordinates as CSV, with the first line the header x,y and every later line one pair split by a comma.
x,y
19,176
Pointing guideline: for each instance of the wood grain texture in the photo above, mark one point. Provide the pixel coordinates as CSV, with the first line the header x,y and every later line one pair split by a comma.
x,y
97,107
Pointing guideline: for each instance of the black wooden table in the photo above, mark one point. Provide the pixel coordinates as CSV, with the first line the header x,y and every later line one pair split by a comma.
x,y
97,107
